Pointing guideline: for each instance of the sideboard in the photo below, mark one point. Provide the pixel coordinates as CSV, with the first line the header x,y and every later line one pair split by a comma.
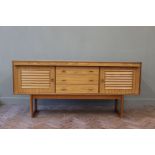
x,y
76,80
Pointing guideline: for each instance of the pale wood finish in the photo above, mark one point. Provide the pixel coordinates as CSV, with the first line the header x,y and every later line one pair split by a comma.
x,y
76,63
70,89
76,80
77,75
31,106
77,96
77,70
72,96
34,80
116,80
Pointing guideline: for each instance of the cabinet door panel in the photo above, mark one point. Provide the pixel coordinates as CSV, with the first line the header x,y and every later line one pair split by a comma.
x,y
114,80
34,80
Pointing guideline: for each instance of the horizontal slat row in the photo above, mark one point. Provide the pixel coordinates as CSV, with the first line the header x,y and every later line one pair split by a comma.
x,y
119,73
35,86
118,80
117,88
35,71
35,79
119,83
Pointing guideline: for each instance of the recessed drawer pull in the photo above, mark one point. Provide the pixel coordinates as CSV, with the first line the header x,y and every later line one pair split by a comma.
x,y
91,71
64,80
64,89
63,71
52,80
102,80
91,80
90,89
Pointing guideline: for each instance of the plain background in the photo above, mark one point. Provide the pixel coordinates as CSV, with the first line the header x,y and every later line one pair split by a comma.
x,y
78,43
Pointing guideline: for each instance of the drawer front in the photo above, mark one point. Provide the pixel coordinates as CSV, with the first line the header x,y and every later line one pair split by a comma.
x,y
76,89
119,80
77,79
34,80
77,71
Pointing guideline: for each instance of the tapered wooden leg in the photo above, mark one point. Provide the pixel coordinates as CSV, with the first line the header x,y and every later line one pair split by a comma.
x,y
31,106
121,106
35,104
116,105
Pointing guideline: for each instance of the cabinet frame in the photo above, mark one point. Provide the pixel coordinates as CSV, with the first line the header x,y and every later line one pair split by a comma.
x,y
34,96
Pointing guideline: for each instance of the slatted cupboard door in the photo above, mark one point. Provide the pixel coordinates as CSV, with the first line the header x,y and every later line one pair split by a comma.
x,y
34,80
114,80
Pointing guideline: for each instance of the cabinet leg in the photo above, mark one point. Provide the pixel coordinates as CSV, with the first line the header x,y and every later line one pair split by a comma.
x,y
116,105
31,106
121,106
35,104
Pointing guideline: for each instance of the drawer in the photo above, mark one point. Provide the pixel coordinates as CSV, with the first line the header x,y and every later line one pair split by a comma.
x,y
77,79
77,89
77,70
77,75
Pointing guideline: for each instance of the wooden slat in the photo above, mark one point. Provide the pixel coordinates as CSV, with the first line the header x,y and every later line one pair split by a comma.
x,y
35,74
118,75
119,72
35,87
35,82
119,78
117,86
35,71
122,88
35,77
118,83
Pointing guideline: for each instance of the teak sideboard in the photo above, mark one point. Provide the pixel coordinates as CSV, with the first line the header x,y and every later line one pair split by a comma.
x,y
76,80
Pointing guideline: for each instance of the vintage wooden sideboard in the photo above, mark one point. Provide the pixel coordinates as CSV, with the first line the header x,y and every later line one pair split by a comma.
x,y
76,80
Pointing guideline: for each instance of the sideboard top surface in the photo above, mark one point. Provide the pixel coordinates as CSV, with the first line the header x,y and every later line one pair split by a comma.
x,y
75,63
